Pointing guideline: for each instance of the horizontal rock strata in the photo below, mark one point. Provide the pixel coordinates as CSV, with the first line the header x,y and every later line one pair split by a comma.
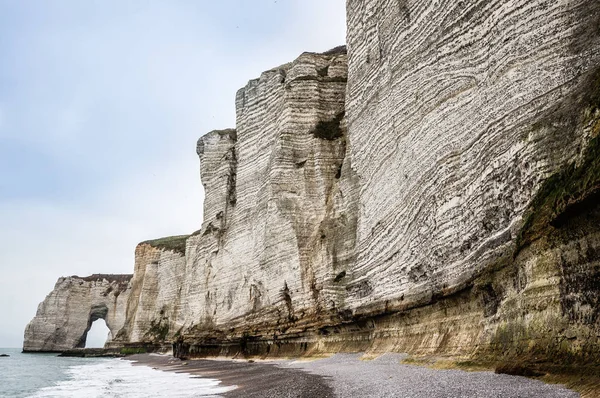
x,y
274,235
457,114
155,291
275,183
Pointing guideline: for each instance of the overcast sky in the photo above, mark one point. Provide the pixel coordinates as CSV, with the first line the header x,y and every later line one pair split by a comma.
x,y
101,104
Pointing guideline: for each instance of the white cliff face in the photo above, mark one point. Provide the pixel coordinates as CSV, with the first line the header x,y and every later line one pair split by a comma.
x,y
219,163
66,315
269,248
269,186
431,186
155,290
457,111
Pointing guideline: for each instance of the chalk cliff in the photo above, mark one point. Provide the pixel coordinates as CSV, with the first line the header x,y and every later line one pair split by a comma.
x,y
468,130
473,130
155,290
66,315
263,252
434,190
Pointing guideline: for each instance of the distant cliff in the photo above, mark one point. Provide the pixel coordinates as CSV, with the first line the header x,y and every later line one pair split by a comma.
x,y
434,190
66,315
155,291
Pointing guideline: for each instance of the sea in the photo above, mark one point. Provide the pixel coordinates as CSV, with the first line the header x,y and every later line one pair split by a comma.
x,y
48,375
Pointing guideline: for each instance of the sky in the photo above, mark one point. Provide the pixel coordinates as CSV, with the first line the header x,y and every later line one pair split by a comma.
x,y
101,105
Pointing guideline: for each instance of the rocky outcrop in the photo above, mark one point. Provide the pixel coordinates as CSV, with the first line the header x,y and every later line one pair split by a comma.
x,y
460,111
279,219
66,315
155,291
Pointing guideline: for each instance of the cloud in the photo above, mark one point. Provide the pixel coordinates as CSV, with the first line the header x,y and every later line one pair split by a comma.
x,y
43,241
106,102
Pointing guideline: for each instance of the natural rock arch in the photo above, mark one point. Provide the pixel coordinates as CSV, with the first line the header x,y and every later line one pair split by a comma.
x,y
65,317
96,312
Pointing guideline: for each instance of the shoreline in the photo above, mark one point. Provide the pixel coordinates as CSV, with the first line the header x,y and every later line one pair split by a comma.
x,y
351,375
250,378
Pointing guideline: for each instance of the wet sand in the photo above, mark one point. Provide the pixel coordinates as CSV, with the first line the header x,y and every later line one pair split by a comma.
x,y
346,375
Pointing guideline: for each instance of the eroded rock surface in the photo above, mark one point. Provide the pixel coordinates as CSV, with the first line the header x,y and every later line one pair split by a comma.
x,y
272,198
66,315
458,112
278,229
155,291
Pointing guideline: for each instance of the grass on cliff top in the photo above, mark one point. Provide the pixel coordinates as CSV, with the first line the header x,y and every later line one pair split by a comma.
x,y
173,243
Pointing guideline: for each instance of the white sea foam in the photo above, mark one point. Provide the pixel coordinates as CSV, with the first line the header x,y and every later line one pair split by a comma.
x,y
117,378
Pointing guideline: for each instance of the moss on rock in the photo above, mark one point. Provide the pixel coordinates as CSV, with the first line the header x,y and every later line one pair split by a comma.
x,y
563,190
158,329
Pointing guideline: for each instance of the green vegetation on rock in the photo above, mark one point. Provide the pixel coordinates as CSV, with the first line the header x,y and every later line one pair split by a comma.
x,y
158,330
569,187
133,350
173,243
577,182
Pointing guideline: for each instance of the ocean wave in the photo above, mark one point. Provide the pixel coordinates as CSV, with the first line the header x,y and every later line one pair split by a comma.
x,y
118,378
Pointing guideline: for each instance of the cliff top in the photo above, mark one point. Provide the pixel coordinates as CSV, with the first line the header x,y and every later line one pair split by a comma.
x,y
231,133
174,243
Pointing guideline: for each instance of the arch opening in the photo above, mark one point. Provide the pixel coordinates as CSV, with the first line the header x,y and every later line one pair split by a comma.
x,y
98,334
97,312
